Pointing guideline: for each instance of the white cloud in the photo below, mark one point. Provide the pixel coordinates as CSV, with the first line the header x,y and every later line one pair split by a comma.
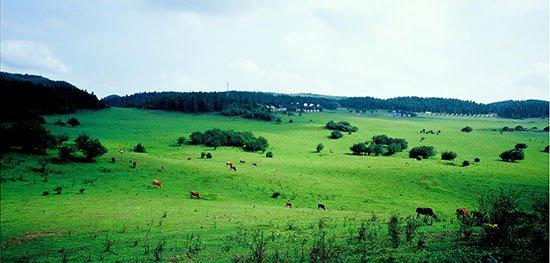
x,y
30,55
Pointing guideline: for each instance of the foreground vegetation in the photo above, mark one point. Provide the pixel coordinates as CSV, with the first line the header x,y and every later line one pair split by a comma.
x,y
109,210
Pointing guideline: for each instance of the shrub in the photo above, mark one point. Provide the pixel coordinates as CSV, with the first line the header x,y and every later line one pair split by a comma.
x,y
90,147
217,137
376,149
422,151
341,126
411,225
506,128
275,194
65,152
546,128
520,146
448,155
467,129
290,121
358,148
269,155
73,122
32,137
477,160
180,141
465,163
546,149
279,120
209,155
389,146
319,147
336,135
139,148
418,158
519,128
394,230
512,155
203,154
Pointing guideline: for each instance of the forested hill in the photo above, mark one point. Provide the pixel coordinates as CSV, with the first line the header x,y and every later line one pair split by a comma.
x,y
24,96
217,101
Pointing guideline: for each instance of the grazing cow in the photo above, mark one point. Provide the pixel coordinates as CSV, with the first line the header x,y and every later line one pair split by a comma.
x,y
113,159
134,163
233,168
255,164
321,206
288,205
229,163
188,158
242,161
462,212
162,169
426,211
195,194
157,183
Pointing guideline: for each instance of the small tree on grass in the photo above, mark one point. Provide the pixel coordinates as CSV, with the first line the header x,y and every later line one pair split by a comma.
x,y
448,155
512,155
181,141
73,122
209,155
203,154
336,134
279,120
394,230
320,147
90,147
422,151
477,160
465,163
139,148
521,146
467,129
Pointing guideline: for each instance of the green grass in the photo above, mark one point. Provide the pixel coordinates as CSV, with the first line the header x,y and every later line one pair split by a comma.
x,y
121,204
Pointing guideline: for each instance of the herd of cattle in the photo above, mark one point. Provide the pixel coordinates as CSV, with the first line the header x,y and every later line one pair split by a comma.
x,y
425,211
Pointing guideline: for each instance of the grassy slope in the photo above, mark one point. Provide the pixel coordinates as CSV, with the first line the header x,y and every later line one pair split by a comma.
x,y
119,204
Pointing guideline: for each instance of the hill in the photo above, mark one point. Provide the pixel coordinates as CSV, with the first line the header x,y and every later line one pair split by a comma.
x,y
217,101
29,95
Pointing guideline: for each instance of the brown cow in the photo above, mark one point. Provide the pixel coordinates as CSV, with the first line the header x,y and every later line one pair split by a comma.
x,y
462,212
426,211
157,183
195,194
288,205
321,206
242,161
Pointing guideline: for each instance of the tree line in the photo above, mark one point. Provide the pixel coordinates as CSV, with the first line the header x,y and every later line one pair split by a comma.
x,y
194,102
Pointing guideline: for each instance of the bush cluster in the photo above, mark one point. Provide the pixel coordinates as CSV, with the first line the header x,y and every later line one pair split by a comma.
x,y
423,152
512,155
341,126
467,129
216,138
336,135
248,112
380,145
448,155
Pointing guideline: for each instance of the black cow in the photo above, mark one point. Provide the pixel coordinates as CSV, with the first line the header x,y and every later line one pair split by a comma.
x,y
321,206
426,211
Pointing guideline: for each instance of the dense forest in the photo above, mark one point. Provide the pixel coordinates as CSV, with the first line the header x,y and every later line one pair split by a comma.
x,y
217,101
27,96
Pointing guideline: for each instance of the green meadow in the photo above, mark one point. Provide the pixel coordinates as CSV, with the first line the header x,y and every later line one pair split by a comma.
x,y
122,217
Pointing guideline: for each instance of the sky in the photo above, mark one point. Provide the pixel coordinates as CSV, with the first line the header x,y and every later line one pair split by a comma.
x,y
484,51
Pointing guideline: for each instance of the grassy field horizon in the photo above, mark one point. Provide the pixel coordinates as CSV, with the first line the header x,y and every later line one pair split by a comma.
x,y
121,204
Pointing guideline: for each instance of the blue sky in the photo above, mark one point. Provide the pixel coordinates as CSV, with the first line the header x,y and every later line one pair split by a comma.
x,y
477,50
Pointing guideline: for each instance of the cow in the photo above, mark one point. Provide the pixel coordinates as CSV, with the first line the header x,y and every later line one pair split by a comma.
x,y
462,212
189,158
288,205
242,161
233,168
113,159
255,164
162,169
426,211
157,183
134,163
195,194
321,206
229,163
